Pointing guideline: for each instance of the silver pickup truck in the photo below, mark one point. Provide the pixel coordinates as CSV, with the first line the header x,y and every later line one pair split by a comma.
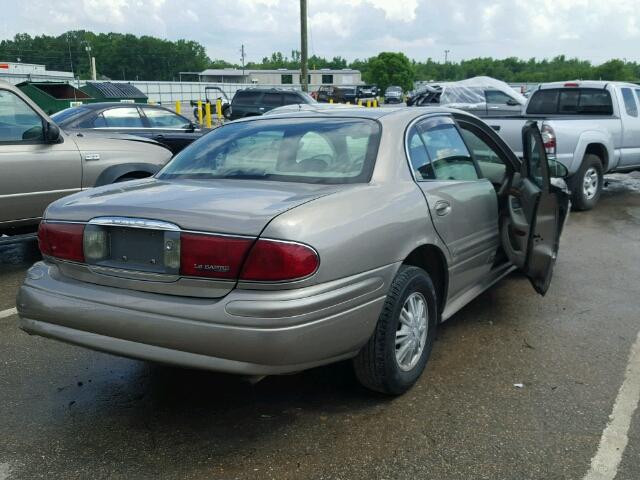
x,y
592,127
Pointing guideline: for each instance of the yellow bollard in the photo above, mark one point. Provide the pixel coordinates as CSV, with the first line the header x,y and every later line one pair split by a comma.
x,y
331,100
219,110
359,103
178,106
375,102
207,110
368,103
200,112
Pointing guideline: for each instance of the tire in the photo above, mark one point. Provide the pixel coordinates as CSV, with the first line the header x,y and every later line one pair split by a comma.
x,y
376,365
585,197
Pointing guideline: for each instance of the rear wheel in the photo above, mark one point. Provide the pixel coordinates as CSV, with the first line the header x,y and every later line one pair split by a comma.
x,y
587,183
396,354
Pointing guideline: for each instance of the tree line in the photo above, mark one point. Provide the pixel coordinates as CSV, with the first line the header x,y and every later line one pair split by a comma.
x,y
127,56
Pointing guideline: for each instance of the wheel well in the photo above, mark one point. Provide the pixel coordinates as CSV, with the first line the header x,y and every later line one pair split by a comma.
x,y
431,259
133,175
599,151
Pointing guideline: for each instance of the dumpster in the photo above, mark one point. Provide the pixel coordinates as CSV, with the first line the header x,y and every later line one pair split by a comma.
x,y
114,92
54,96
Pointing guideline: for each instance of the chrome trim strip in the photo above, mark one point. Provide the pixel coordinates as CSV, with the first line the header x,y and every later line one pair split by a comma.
x,y
66,190
151,224
134,222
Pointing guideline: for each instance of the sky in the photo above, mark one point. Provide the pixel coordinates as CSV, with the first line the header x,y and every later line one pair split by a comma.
x,y
595,30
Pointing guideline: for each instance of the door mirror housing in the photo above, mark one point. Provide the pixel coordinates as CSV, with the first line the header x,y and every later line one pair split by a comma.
x,y
557,169
512,103
52,133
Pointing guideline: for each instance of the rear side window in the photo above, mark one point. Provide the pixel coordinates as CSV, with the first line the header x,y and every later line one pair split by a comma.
x,y
272,99
629,102
568,101
292,99
246,98
120,117
446,158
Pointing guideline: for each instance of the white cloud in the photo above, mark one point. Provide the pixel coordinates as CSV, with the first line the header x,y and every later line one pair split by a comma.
x,y
590,29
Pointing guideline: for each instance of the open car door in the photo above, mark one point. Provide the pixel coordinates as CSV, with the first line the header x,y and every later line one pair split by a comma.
x,y
536,212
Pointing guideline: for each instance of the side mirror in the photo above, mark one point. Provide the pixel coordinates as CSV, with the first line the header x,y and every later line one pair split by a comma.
x,y
512,103
52,133
557,169
191,127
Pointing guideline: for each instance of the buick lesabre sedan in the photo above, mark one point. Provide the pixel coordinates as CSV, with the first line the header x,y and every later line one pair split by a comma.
x,y
281,243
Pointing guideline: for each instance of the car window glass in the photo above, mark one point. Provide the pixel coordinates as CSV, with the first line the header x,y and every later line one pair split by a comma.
x,y
128,117
291,99
569,101
18,122
535,161
98,122
496,96
629,102
449,156
327,151
489,162
246,98
272,99
637,95
419,158
160,118
543,102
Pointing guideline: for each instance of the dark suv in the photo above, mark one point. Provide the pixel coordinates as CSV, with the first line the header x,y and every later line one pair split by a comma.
x,y
250,102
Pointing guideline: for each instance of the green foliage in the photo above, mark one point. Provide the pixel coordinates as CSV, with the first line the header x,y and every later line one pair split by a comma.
x,y
390,68
117,55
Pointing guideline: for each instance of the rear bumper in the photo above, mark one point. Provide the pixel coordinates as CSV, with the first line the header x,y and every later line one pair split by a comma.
x,y
256,332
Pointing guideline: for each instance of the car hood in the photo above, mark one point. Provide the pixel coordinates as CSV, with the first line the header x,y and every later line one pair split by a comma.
x,y
242,207
110,141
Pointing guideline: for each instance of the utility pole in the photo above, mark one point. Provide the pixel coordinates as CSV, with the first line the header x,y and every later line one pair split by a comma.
x,y
304,71
242,55
446,56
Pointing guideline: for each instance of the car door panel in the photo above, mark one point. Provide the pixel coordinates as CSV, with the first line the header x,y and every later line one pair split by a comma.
x,y
469,228
462,206
536,211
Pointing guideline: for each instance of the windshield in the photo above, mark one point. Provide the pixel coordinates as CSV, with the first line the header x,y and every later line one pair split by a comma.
x,y
68,114
325,150
394,90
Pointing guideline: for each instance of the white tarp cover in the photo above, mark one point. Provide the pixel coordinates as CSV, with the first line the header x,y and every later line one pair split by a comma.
x,y
471,92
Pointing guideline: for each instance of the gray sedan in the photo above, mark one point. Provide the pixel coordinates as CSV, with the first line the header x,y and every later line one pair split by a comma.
x,y
281,243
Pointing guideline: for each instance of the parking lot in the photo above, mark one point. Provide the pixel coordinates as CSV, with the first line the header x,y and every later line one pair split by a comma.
x,y
518,387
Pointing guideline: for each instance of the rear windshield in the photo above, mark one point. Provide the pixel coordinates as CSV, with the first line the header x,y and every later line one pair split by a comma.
x,y
571,101
326,150
68,114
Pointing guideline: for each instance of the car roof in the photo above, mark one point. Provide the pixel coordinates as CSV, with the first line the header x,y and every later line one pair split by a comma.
x,y
583,84
100,105
382,114
268,90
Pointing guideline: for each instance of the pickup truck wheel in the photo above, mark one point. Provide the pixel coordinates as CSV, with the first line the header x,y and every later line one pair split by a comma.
x,y
395,356
588,182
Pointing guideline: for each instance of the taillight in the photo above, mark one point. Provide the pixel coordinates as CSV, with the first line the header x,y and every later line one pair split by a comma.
x,y
549,139
273,260
61,240
572,84
212,256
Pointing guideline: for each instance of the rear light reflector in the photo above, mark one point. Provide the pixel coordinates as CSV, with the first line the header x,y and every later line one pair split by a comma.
x,y
272,260
549,139
212,256
61,240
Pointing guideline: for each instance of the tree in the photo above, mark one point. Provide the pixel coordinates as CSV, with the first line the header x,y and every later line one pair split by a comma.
x,y
390,68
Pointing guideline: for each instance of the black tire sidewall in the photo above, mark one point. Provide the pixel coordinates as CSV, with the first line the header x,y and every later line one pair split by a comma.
x,y
580,202
417,280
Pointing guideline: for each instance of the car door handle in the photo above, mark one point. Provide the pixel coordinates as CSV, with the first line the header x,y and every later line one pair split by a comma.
x,y
442,208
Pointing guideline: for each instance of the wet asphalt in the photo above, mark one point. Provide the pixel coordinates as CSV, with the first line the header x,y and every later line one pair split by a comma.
x,y
69,413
